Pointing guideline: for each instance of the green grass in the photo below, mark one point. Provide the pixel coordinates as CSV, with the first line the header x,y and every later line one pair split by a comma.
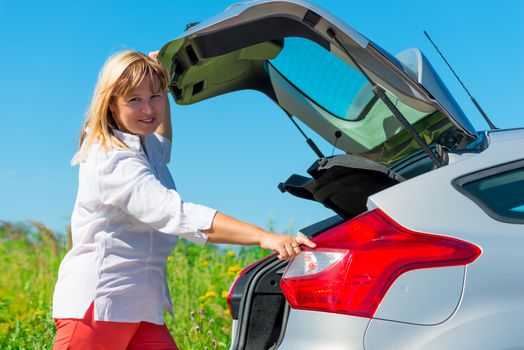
x,y
199,278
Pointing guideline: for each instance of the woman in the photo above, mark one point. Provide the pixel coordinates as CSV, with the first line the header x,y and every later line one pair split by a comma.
x,y
112,289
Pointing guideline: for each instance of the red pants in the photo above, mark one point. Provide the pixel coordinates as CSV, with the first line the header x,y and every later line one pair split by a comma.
x,y
88,334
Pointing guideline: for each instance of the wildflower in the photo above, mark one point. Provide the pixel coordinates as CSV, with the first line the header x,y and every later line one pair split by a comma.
x,y
206,296
170,258
211,294
202,312
215,343
209,333
233,270
227,312
211,321
197,328
230,254
224,294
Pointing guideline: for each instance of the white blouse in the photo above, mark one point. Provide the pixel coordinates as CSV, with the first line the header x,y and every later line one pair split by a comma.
x,y
125,223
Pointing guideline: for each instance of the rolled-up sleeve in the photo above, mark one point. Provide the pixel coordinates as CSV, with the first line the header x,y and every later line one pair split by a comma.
x,y
126,181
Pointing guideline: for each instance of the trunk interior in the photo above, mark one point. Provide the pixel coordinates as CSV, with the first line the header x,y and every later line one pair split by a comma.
x,y
258,303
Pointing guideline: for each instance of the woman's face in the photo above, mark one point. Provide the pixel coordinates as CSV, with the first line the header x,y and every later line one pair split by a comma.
x,y
142,110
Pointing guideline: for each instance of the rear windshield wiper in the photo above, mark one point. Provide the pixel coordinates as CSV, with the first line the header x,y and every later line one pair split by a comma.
x,y
381,93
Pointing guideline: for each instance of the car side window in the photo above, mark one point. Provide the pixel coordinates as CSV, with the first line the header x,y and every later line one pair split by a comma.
x,y
499,191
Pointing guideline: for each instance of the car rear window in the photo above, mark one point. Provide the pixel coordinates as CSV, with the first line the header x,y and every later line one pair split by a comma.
x,y
498,191
345,94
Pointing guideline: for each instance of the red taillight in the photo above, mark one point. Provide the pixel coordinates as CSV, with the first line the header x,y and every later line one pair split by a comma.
x,y
355,263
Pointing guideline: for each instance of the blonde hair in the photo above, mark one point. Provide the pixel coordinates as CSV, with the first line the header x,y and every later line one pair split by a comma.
x,y
121,73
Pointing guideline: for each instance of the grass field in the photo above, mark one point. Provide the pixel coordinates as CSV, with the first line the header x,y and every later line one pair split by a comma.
x,y
199,278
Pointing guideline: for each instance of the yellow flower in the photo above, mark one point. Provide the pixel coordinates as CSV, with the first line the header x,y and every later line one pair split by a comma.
x,y
233,270
169,258
205,297
211,294
230,254
227,312
224,294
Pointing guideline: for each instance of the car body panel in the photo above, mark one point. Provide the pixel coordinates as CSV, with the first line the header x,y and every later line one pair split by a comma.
x,y
416,64
257,8
497,330
434,215
482,321
311,330
424,297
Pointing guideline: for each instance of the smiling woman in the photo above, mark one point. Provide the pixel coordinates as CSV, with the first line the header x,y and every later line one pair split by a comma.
x,y
112,287
141,112
137,95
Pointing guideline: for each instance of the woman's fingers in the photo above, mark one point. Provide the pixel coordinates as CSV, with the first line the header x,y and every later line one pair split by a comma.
x,y
306,241
291,247
286,246
153,55
283,253
290,250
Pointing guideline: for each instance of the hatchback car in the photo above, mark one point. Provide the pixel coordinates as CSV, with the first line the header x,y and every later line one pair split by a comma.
x,y
425,249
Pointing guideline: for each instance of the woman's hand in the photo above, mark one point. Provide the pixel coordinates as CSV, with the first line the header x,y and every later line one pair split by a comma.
x,y
287,247
226,229
154,55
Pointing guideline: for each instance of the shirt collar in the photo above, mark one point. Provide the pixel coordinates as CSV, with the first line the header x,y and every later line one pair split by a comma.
x,y
132,141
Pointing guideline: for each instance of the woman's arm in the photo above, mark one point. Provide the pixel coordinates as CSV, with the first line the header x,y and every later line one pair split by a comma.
x,y
164,128
226,229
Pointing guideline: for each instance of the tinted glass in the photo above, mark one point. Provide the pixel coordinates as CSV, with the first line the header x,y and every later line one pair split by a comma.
x,y
519,208
501,194
344,93
324,78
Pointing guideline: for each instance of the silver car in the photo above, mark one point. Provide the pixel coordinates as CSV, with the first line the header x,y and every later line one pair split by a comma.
x,y
426,248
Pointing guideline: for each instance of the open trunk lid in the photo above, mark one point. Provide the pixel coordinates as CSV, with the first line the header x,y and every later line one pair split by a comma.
x,y
282,49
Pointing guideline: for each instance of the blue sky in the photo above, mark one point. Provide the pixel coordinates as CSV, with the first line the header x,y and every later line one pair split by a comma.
x,y
232,151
